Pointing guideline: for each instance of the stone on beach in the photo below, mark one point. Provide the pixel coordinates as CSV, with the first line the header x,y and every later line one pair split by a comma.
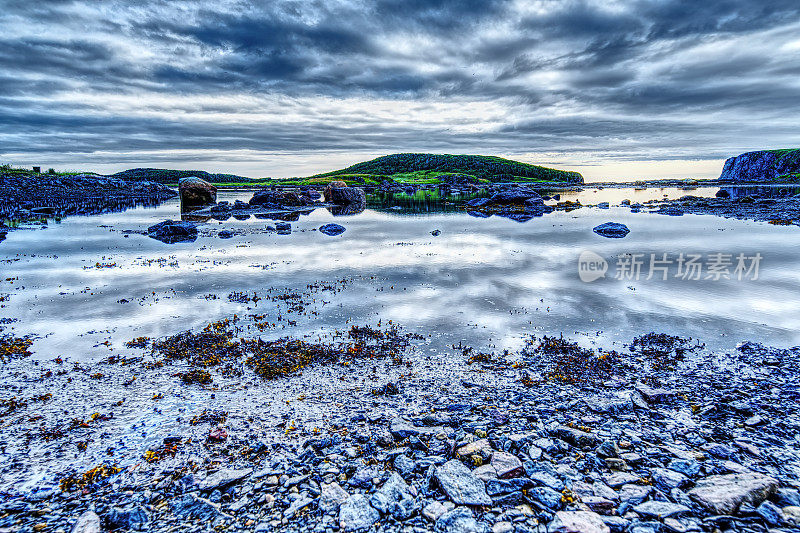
x,y
460,485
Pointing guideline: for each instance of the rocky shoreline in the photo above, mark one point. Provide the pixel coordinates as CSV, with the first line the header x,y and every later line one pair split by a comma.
x,y
657,437
33,196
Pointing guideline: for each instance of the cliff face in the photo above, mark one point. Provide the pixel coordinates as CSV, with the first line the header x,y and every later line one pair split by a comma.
x,y
761,166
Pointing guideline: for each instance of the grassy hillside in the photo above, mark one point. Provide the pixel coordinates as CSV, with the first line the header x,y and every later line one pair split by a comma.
x,y
788,158
420,167
161,175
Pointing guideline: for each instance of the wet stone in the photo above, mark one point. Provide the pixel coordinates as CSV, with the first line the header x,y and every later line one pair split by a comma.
x,y
356,514
724,494
659,509
577,522
460,485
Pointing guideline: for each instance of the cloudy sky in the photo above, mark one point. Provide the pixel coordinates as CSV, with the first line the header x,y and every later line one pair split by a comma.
x,y
613,89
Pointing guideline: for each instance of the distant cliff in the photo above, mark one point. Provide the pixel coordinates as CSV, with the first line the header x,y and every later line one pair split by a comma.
x,y
765,165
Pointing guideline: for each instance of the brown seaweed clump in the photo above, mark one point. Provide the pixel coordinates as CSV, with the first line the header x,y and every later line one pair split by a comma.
x,y
14,348
565,361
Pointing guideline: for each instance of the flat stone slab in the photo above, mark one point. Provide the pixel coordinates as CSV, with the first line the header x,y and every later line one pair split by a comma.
x,y
656,509
724,494
577,522
461,485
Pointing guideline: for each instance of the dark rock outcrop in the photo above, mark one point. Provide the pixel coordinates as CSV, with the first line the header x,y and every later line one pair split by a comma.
x,y
612,230
171,231
332,229
345,196
762,166
279,199
516,196
196,193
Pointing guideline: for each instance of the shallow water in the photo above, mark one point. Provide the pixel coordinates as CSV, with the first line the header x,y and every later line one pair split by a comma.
x,y
84,282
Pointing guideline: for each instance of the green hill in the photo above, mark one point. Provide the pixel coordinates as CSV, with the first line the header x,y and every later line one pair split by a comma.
x,y
425,167
161,175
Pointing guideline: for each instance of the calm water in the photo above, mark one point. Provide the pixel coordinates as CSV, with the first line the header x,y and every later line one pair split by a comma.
x,y
85,286
87,281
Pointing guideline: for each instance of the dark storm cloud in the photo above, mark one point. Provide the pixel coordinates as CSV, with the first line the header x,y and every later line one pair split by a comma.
x,y
581,75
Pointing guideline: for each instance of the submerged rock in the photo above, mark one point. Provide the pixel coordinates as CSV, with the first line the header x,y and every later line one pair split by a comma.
x,y
612,230
332,229
516,196
172,231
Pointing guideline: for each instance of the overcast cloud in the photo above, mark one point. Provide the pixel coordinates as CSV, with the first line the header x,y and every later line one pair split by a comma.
x,y
292,87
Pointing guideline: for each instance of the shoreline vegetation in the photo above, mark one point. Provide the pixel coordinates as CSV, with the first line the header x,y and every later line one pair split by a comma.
x,y
761,167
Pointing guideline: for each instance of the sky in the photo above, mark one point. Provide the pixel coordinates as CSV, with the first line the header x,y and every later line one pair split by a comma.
x,y
614,89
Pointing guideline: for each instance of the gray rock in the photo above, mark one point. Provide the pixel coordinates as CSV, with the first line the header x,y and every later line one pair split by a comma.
x,y
363,477
787,497
460,485
223,477
131,518
433,510
598,504
506,465
667,480
771,513
619,479
634,494
404,464
577,522
724,494
608,448
88,522
394,499
345,196
546,497
297,505
357,514
459,520
171,231
333,495
658,509
193,506
686,467
539,473
576,437
402,428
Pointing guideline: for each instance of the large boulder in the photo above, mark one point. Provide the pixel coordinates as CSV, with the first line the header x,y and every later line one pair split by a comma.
x,y
338,184
196,193
761,165
345,196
